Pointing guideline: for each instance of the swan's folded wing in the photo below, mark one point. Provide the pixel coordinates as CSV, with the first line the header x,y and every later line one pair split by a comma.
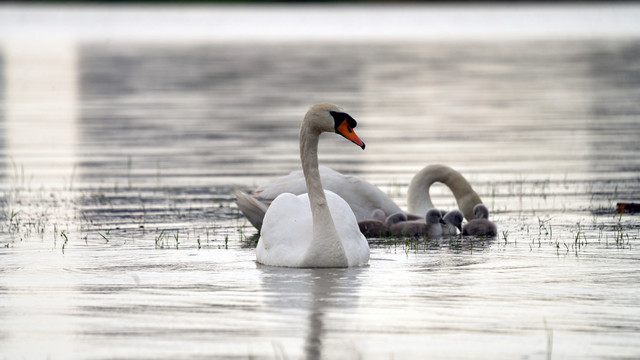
x,y
291,183
362,196
355,244
286,231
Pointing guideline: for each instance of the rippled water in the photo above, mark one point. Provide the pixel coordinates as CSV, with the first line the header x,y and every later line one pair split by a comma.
x,y
121,239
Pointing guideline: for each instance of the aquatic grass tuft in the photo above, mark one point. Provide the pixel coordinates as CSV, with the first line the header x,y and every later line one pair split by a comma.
x,y
129,165
66,240
158,240
576,242
104,237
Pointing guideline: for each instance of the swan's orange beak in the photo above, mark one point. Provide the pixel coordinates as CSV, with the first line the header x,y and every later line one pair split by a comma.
x,y
347,131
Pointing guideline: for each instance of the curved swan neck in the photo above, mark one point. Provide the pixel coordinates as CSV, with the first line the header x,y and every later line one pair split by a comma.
x,y
420,200
326,247
309,157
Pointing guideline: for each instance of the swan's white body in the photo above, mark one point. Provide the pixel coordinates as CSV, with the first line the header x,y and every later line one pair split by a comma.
x,y
317,229
288,246
362,196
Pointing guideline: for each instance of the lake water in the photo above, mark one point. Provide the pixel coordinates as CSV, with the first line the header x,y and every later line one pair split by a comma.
x,y
120,151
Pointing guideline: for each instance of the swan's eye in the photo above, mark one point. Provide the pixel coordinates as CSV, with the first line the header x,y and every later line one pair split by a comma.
x,y
339,117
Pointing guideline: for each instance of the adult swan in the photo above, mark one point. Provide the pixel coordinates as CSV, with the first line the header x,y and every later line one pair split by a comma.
x,y
363,197
316,229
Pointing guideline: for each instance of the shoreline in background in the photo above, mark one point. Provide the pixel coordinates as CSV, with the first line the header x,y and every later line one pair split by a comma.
x,y
333,22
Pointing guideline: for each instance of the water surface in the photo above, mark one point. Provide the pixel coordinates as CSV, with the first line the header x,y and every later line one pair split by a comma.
x,y
121,238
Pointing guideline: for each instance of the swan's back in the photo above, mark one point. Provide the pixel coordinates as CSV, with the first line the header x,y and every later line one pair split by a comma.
x,y
362,196
287,232
291,183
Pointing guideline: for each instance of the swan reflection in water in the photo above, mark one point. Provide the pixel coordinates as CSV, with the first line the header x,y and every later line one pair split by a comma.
x,y
311,295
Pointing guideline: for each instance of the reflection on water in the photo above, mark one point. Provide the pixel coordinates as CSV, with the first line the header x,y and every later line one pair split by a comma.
x,y
41,106
120,238
37,296
313,297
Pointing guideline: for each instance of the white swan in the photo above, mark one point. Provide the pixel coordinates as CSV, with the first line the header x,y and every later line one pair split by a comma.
x,y
316,229
363,197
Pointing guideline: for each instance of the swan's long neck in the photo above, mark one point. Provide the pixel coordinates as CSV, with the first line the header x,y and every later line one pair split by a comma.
x,y
326,248
420,200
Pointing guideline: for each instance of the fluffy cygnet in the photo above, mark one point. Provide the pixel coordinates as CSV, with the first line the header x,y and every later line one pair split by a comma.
x,y
375,226
480,226
453,220
429,227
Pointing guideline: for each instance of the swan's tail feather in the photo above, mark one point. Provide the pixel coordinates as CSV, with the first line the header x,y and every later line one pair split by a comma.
x,y
252,208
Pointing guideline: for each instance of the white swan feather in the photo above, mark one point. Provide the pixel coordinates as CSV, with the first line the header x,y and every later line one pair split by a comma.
x,y
287,246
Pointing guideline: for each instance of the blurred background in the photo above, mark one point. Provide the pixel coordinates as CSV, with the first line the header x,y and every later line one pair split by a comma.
x,y
207,98
192,89
125,129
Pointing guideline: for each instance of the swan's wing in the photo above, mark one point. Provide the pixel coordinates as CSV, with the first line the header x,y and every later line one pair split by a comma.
x,y
287,230
362,196
354,243
291,183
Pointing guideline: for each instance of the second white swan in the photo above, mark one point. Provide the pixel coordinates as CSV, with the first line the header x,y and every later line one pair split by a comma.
x,y
362,196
